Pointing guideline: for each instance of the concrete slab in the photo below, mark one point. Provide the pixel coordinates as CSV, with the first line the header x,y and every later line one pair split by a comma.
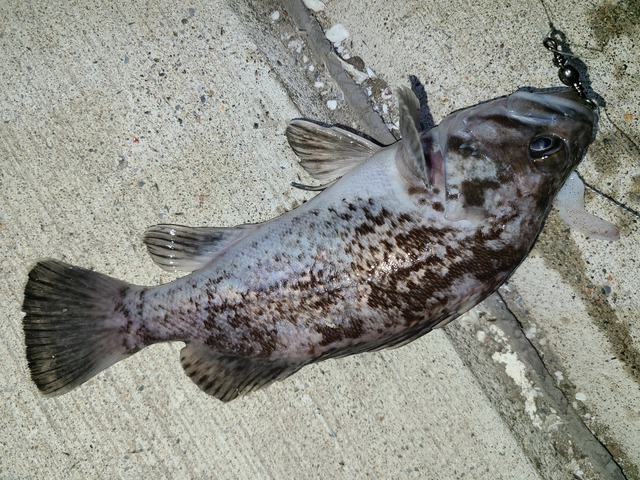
x,y
115,118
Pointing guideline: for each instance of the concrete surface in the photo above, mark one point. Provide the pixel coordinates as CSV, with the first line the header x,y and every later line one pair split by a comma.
x,y
117,117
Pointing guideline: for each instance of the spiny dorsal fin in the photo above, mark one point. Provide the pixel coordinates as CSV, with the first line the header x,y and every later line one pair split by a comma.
x,y
227,377
328,152
185,249
411,152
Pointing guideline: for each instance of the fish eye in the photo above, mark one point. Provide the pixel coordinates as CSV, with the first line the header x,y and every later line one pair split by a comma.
x,y
544,145
547,152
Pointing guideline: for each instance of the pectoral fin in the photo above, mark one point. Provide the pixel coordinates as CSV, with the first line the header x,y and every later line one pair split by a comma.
x,y
328,152
411,161
185,249
227,377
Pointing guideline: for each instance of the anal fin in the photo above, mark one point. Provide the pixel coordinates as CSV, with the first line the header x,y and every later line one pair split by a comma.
x,y
185,249
227,377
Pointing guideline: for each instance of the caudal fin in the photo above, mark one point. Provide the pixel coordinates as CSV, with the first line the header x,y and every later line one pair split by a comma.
x,y
72,327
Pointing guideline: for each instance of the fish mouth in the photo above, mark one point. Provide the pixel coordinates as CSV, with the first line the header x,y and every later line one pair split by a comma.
x,y
549,107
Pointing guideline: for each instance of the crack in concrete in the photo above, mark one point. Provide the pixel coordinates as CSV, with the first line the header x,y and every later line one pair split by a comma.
x,y
311,31
601,459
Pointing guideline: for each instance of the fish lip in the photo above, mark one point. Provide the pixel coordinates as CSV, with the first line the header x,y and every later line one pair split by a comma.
x,y
550,102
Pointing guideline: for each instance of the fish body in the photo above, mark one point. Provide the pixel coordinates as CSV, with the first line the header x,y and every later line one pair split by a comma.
x,y
411,236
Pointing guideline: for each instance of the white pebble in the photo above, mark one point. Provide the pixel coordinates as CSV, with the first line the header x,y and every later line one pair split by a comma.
x,y
559,375
318,84
581,397
275,15
481,336
332,104
315,5
311,68
337,34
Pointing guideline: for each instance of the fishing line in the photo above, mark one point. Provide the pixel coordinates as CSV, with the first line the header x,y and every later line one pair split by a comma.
x,y
612,200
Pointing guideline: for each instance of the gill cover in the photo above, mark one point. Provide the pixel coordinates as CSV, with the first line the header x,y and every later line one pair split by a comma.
x,y
532,140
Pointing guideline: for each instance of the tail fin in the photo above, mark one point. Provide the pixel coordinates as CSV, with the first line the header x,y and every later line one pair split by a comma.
x,y
72,327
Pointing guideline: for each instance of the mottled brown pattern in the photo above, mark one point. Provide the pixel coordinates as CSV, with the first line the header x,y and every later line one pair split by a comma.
x,y
334,334
376,260
473,191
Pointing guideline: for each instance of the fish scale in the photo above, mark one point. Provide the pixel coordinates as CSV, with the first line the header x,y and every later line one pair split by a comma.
x,y
408,237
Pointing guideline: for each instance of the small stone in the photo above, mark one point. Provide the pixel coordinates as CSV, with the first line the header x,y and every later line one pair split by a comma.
x,y
357,62
337,34
315,5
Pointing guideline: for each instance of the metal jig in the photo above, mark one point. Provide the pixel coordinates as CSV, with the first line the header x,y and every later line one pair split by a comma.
x,y
567,73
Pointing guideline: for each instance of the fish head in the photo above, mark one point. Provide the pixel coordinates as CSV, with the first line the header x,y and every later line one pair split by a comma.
x,y
513,153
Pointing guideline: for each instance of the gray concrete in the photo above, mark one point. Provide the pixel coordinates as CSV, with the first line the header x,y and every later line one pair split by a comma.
x,y
114,118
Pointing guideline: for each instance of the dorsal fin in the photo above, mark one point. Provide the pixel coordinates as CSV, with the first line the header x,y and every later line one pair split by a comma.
x,y
328,152
185,249
412,159
227,377
570,204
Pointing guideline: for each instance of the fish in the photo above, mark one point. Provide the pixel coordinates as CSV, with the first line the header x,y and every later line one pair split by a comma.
x,y
403,239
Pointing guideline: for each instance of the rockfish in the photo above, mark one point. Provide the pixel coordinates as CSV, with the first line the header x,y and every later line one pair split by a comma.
x,y
410,236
